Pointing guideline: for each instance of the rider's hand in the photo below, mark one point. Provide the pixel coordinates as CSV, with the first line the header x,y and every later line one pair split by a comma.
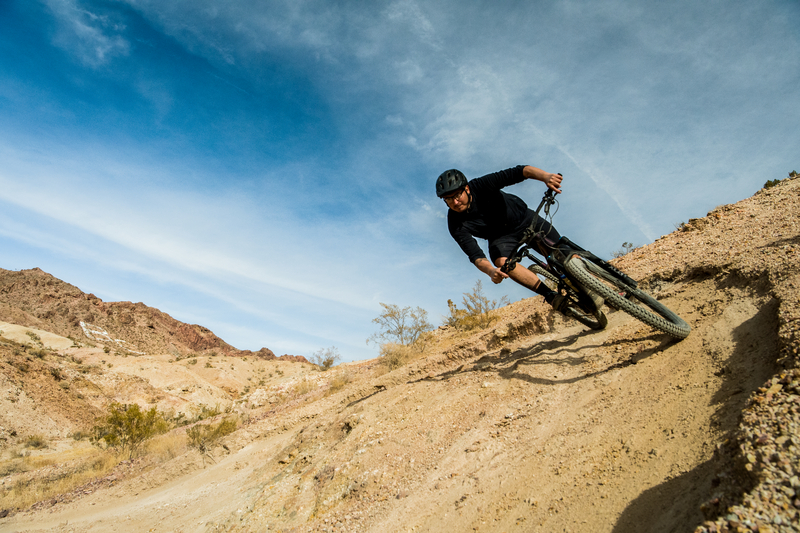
x,y
498,275
553,182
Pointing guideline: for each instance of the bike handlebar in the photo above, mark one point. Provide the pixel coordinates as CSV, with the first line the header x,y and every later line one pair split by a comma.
x,y
530,233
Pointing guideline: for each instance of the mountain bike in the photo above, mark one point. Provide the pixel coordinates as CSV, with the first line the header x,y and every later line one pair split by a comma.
x,y
574,273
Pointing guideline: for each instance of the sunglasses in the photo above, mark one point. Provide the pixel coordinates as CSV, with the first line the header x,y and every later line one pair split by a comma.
x,y
452,196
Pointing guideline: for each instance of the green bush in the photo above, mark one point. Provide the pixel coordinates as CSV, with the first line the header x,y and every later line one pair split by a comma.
x,y
127,427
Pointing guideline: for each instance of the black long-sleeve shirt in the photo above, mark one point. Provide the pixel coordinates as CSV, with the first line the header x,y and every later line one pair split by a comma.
x,y
493,213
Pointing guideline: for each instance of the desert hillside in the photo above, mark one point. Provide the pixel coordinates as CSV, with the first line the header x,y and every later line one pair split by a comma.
x,y
533,424
35,299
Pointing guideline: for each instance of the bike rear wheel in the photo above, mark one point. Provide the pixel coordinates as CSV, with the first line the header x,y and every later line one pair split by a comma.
x,y
593,320
633,301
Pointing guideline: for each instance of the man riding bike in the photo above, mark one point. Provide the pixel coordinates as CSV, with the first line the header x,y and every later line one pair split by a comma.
x,y
478,208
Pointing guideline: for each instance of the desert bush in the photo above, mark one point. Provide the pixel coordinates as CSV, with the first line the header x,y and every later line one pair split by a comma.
x,y
394,355
126,427
478,310
325,358
56,373
206,411
303,387
339,382
627,247
34,337
202,436
36,442
80,435
400,325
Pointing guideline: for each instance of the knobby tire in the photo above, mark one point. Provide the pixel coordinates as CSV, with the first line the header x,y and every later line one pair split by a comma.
x,y
638,304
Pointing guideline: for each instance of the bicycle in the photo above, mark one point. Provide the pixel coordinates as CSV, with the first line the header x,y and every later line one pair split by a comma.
x,y
570,270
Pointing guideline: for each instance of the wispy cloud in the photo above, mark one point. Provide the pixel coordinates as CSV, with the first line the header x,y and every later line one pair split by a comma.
x,y
94,39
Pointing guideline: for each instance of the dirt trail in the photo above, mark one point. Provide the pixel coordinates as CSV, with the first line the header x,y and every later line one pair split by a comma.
x,y
536,425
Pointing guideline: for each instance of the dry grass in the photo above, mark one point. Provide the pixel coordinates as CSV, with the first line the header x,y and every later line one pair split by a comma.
x,y
394,355
303,387
36,478
168,446
29,478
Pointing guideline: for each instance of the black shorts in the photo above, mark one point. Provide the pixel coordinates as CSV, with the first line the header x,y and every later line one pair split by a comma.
x,y
504,245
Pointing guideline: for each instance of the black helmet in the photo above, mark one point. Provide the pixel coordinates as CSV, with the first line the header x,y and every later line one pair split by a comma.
x,y
450,181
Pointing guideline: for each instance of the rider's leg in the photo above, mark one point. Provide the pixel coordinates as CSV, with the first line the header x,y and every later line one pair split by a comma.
x,y
521,275
531,281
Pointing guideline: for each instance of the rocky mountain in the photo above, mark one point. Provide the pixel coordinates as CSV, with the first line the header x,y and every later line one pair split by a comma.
x,y
532,424
36,299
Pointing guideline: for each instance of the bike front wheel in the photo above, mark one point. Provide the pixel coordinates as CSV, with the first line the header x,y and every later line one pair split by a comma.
x,y
632,300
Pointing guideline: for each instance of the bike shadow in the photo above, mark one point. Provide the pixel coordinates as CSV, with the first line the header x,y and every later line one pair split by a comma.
x,y
557,352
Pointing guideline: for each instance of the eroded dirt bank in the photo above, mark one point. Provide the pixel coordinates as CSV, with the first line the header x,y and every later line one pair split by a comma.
x,y
536,425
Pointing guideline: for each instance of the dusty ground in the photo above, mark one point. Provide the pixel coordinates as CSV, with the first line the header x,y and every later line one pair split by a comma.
x,y
534,425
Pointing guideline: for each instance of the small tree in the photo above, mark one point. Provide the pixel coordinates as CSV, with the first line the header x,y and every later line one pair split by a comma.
x,y
477,312
400,325
325,358
627,247
127,426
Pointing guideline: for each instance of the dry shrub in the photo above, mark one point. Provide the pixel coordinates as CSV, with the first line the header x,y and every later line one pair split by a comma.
x,y
339,382
393,355
36,442
478,312
325,358
202,436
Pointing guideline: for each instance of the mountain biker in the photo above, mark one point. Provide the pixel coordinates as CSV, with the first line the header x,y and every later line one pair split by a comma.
x,y
478,208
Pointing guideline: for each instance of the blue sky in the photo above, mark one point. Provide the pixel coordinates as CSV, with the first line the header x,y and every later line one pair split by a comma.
x,y
266,169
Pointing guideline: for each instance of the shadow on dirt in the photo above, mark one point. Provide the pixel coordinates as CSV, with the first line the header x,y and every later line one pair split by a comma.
x,y
674,505
560,352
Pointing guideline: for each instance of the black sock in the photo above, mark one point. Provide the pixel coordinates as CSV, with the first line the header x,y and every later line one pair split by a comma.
x,y
545,291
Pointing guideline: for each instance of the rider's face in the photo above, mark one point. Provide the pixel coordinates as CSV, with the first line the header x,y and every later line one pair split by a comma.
x,y
458,202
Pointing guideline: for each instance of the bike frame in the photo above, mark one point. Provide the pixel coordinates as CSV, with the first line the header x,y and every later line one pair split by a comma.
x,y
556,258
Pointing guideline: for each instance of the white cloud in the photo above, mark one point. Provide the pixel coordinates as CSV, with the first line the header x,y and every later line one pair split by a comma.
x,y
93,38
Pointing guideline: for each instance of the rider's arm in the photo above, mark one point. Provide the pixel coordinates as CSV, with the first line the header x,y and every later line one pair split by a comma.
x,y
553,181
485,266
